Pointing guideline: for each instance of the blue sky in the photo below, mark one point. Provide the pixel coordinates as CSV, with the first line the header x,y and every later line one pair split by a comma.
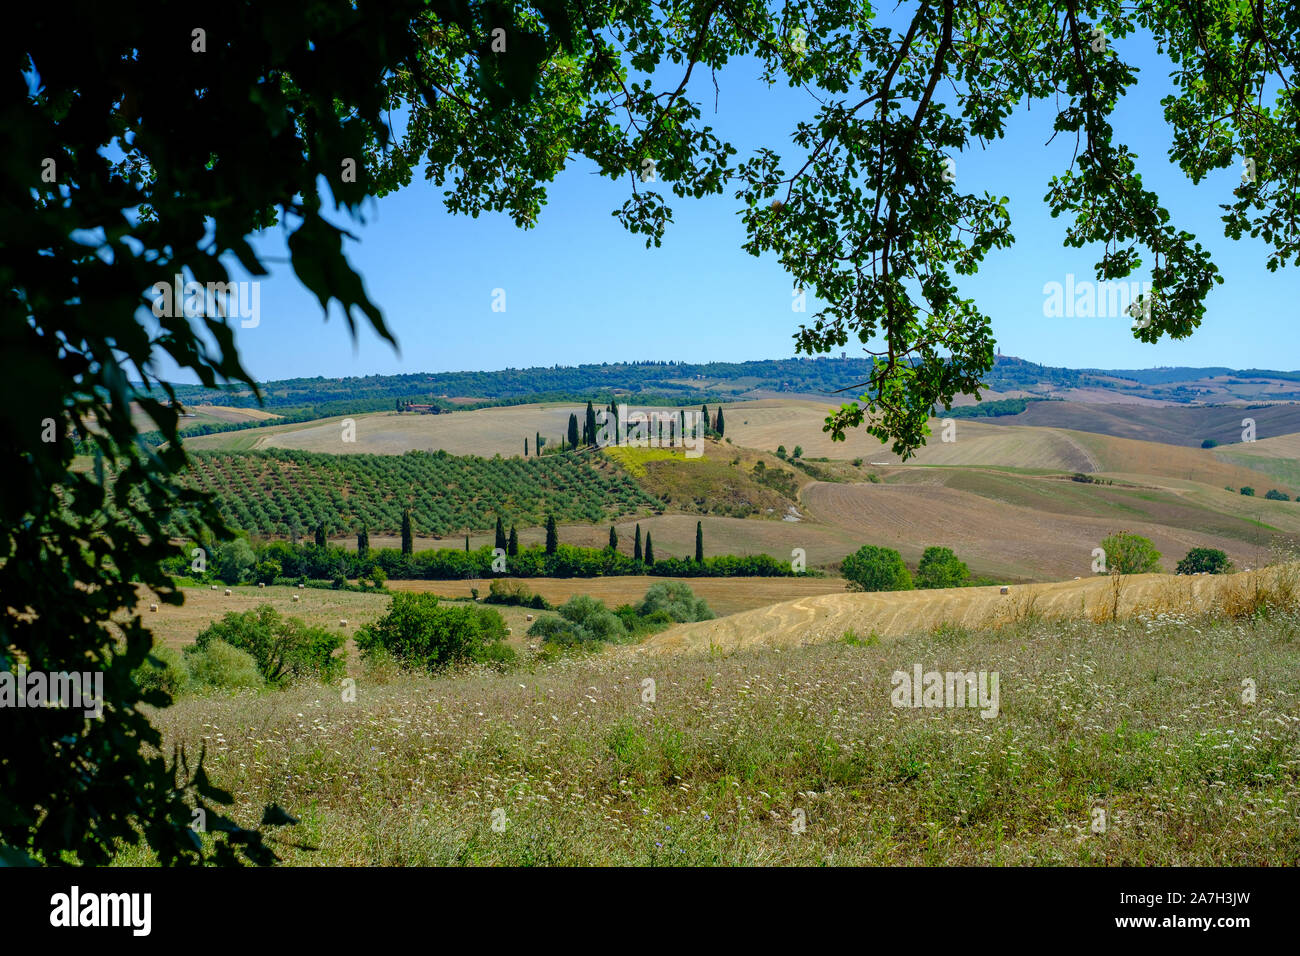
x,y
581,289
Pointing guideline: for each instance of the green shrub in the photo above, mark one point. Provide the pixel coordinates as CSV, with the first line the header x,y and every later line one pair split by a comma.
x,y
419,632
218,665
940,568
1274,495
514,594
583,620
1128,553
233,560
1248,491
1209,443
677,600
163,670
872,568
1210,560
266,572
285,648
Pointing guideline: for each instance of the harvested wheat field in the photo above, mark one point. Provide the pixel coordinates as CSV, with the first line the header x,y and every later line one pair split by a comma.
x,y
725,595
997,537
889,614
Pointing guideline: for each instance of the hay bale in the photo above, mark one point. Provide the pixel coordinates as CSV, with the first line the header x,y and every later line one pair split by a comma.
x,y
153,607
227,592
1004,590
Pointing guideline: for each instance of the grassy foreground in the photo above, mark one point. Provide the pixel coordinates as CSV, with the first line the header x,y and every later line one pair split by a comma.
x,y
1143,719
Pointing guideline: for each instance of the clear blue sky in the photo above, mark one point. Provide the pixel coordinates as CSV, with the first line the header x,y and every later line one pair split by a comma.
x,y
581,289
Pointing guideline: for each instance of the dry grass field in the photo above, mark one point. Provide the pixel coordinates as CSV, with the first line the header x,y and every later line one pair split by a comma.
x,y
177,626
891,614
790,755
997,537
725,595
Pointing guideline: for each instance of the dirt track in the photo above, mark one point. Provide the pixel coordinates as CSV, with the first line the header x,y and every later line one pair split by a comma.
x,y
824,618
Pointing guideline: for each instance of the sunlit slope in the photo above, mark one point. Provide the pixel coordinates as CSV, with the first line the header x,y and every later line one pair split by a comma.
x,y
818,619
483,431
998,537
1276,459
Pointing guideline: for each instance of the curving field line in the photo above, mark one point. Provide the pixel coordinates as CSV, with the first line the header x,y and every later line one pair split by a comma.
x,y
825,618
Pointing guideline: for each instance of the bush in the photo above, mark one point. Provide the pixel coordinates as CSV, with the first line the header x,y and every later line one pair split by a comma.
x,y
677,600
418,632
872,568
163,670
1209,443
218,665
1274,495
1128,553
1210,560
285,648
233,560
514,594
583,620
939,568
266,572
1248,491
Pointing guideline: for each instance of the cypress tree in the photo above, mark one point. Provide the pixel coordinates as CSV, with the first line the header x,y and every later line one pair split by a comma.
x,y
649,552
320,535
591,424
613,539
704,411
573,430
467,544
552,535
512,547
718,424
537,443
636,548
699,541
525,447
406,531
363,543
501,535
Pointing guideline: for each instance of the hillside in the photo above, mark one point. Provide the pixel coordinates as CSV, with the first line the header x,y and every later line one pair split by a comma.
x,y
1172,425
282,492
826,376
819,619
